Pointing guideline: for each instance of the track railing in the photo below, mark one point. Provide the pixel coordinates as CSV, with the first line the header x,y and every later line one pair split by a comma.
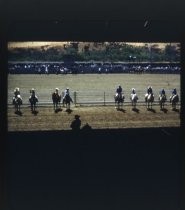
x,y
94,97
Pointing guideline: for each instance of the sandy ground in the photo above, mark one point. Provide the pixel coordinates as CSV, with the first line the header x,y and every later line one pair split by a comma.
x,y
99,117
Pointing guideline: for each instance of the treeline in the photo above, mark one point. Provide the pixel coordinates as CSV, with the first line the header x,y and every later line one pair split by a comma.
x,y
111,51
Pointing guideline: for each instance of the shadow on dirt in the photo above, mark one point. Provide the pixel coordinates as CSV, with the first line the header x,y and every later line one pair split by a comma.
x,y
18,113
135,110
121,110
164,110
58,110
151,110
35,112
69,111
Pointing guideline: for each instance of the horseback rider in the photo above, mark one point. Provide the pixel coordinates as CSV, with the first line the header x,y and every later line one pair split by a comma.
x,y
163,92
133,91
32,91
119,90
66,92
16,95
174,92
162,96
149,90
56,90
16,92
33,95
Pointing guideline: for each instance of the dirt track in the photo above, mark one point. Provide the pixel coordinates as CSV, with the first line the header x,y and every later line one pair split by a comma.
x,y
96,117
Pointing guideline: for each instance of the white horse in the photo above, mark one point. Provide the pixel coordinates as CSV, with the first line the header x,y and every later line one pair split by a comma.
x,y
174,99
149,99
119,99
17,102
134,98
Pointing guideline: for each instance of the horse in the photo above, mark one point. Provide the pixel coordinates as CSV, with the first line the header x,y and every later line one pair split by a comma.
x,y
174,99
133,98
119,99
67,101
149,99
17,102
56,100
33,99
162,100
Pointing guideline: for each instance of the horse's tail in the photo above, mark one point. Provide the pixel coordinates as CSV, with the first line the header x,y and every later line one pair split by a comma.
x,y
53,96
70,99
13,100
123,97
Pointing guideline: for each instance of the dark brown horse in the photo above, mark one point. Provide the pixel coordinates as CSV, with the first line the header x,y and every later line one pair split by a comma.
x,y
67,101
56,98
33,99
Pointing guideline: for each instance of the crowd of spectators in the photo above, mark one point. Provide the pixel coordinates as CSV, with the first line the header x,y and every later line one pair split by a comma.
x,y
91,67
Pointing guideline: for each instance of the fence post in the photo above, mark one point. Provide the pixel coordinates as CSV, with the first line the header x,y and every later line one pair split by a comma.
x,y
75,98
104,98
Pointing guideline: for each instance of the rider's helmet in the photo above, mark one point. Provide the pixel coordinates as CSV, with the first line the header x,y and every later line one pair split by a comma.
x,y
57,89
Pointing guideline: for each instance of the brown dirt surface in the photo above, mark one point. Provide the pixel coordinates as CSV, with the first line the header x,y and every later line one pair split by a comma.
x,y
98,117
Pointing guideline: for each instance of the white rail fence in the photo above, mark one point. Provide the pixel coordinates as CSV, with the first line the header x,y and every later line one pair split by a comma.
x,y
90,98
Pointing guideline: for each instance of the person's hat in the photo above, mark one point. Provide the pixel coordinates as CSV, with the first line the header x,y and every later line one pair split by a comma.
x,y
17,89
67,88
56,88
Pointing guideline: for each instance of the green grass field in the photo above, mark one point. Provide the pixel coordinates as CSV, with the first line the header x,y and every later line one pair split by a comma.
x,y
92,86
